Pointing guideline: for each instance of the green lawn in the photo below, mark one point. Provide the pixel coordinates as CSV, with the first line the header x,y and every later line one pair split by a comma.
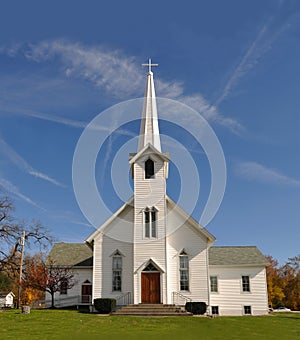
x,y
57,324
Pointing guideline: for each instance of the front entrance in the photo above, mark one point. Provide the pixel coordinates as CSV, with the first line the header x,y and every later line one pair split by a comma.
x,y
86,293
150,287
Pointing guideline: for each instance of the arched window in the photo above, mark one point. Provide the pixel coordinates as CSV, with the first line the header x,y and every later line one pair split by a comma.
x,y
150,222
117,271
149,169
184,270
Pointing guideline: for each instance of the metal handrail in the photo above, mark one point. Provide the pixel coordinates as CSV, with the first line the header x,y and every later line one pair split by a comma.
x,y
124,299
177,296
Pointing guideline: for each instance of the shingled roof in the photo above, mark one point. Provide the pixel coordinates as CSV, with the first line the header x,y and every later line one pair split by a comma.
x,y
80,255
236,256
72,254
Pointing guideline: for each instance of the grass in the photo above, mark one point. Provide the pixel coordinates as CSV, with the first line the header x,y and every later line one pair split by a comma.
x,y
59,324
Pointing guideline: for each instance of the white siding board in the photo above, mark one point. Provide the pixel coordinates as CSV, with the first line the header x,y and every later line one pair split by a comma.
x,y
149,193
187,238
80,275
230,297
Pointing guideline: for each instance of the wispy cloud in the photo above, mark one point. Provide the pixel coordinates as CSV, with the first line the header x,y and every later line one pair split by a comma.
x,y
11,188
211,113
254,171
249,60
262,43
107,69
117,74
22,164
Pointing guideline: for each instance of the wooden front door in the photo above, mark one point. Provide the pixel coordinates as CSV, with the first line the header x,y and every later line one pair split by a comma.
x,y
86,293
150,287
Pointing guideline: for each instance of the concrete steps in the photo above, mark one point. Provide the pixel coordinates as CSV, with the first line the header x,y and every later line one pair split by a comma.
x,y
152,310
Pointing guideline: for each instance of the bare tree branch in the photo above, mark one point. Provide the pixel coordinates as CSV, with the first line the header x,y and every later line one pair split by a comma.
x,y
10,236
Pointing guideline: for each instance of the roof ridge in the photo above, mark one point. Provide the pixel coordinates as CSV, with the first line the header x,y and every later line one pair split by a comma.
x,y
234,247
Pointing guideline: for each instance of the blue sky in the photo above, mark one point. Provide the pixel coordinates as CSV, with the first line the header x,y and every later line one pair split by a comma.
x,y
235,62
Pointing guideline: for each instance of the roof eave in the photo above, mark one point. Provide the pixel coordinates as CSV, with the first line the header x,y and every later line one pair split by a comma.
x,y
102,227
163,155
210,238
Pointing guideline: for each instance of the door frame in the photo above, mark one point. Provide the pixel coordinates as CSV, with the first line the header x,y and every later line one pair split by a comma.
x,y
85,297
159,285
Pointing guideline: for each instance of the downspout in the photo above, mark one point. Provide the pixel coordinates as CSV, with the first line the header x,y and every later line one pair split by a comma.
x,y
208,283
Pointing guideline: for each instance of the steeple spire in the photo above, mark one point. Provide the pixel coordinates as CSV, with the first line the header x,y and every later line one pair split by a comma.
x,y
149,132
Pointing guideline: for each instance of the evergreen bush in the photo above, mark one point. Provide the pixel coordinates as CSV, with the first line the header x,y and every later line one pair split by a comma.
x,y
196,307
105,306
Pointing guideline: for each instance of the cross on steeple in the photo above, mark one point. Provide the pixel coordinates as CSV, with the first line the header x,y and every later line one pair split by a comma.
x,y
149,64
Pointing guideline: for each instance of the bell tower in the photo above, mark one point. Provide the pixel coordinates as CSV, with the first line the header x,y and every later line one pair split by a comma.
x,y
149,169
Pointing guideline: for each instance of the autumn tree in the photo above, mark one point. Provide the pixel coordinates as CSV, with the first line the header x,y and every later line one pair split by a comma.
x,y
290,275
32,264
47,276
13,234
275,285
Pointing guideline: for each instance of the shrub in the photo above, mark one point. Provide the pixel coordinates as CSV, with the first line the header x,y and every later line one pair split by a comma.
x,y
196,307
105,306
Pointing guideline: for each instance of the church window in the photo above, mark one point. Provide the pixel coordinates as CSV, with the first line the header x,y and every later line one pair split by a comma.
x,y
150,268
117,272
215,310
214,284
184,270
63,289
149,169
247,310
246,283
150,221
147,223
153,223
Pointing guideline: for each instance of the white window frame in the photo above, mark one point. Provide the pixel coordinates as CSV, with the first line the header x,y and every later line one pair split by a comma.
x,y
150,231
117,255
182,254
249,284
218,309
217,283
246,306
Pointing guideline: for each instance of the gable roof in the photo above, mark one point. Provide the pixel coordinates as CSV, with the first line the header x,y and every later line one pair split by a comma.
x,y
236,256
101,228
148,149
5,294
72,254
80,255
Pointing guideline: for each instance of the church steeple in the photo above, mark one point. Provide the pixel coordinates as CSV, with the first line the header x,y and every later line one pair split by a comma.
x,y
149,131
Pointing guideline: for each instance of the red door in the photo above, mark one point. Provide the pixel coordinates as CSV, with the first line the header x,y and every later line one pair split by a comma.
x,y
86,293
150,287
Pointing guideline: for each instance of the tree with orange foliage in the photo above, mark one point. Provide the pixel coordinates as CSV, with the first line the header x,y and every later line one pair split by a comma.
x,y
274,281
290,275
34,271
46,276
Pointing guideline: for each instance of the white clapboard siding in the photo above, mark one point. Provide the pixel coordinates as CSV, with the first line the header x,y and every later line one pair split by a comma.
x,y
97,267
109,246
117,235
149,193
80,276
230,297
195,245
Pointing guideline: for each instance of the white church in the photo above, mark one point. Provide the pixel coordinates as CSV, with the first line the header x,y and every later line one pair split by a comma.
x,y
161,264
